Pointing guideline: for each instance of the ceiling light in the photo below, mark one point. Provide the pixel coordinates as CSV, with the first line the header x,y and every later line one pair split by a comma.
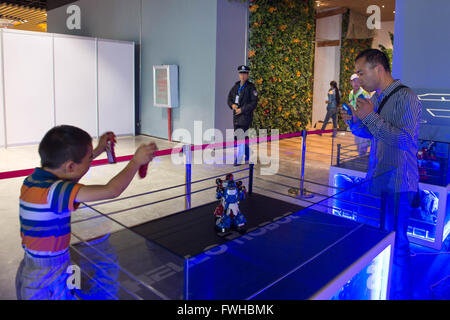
x,y
7,23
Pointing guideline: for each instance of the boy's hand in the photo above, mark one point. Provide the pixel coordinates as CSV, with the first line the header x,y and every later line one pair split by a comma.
x,y
102,142
145,153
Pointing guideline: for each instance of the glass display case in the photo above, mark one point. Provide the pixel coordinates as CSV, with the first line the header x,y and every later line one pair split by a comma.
x,y
430,222
286,252
433,162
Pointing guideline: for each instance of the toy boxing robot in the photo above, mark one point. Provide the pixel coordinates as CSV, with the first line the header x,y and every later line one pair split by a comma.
x,y
227,213
427,159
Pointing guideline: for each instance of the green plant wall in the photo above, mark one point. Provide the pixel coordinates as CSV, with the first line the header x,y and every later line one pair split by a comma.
x,y
281,58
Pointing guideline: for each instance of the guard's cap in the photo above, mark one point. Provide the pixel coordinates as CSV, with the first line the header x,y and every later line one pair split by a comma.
x,y
243,69
354,76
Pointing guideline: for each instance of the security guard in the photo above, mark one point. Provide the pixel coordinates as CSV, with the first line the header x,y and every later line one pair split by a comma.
x,y
243,99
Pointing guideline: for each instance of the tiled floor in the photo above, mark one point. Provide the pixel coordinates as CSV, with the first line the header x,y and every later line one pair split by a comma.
x,y
162,174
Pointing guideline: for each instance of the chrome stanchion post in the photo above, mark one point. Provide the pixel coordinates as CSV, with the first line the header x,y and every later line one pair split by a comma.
x,y
188,174
301,192
338,154
250,178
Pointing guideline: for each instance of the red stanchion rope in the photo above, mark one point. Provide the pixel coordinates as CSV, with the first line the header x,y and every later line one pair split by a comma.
x,y
159,153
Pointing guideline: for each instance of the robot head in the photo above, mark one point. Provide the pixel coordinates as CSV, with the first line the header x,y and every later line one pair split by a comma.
x,y
231,184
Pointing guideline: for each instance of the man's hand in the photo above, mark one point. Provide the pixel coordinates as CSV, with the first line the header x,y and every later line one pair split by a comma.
x,y
145,153
234,107
363,108
345,116
238,110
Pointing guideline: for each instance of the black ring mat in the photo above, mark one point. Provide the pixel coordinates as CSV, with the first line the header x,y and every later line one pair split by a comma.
x,y
192,231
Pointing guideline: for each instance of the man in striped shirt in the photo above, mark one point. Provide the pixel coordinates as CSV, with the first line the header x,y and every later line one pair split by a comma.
x,y
391,120
47,198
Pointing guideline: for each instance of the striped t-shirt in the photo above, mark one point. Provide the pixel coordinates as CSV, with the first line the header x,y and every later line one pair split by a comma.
x,y
45,206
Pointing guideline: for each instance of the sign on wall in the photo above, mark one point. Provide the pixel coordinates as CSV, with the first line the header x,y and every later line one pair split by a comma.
x,y
165,86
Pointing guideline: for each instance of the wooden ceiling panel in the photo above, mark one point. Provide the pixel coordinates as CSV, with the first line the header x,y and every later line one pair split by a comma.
x,y
387,6
24,17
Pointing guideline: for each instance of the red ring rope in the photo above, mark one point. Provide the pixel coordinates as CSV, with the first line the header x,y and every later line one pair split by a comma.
x,y
159,153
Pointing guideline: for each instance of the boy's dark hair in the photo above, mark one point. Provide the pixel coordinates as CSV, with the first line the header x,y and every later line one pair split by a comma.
x,y
63,143
374,57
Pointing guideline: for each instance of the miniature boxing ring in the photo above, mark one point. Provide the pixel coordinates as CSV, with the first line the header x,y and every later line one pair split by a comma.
x,y
294,247
290,249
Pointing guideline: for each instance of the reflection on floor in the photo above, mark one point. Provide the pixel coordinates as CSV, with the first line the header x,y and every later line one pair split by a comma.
x,y
430,266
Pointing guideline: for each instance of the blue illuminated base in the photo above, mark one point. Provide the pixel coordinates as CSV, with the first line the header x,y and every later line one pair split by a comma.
x,y
429,225
371,283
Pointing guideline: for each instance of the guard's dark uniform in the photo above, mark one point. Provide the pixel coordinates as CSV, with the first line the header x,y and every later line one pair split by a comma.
x,y
247,102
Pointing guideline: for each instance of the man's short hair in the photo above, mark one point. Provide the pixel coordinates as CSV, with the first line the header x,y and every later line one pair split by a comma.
x,y
63,143
374,57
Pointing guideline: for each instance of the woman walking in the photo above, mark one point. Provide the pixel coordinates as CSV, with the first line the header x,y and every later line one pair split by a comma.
x,y
333,102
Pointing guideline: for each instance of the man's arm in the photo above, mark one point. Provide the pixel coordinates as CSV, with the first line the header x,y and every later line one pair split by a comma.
x,y
407,112
359,129
231,97
251,105
356,126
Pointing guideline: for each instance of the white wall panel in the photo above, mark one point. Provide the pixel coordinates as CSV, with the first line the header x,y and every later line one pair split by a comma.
x,y
52,79
116,87
2,108
28,70
326,64
75,82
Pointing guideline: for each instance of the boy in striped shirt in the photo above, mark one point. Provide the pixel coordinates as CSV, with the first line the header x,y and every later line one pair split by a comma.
x,y
47,198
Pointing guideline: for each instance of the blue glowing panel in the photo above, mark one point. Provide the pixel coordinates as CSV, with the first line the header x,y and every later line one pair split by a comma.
x,y
422,223
370,283
354,204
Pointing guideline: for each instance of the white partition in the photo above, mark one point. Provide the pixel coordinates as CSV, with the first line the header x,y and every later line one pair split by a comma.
x,y
2,101
116,87
28,83
51,79
75,82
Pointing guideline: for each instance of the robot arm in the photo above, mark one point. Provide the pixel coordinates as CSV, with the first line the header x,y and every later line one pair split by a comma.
x,y
241,189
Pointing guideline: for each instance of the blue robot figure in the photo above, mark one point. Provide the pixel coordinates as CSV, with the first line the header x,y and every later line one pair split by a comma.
x,y
227,213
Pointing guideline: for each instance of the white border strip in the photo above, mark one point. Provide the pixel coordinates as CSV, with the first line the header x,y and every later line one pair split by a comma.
x,y
440,110
441,95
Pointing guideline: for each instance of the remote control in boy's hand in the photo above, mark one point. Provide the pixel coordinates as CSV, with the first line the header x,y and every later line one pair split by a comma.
x,y
110,151
143,171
